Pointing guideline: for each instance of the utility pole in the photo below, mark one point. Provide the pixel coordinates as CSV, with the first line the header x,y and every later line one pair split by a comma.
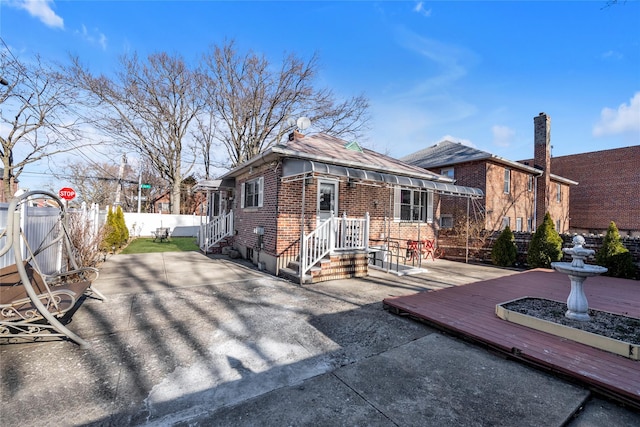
x,y
139,188
120,178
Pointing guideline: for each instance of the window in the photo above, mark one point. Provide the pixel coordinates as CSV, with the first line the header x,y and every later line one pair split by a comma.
x,y
506,222
558,193
252,193
518,224
413,205
163,206
448,172
446,221
530,183
529,224
558,225
507,181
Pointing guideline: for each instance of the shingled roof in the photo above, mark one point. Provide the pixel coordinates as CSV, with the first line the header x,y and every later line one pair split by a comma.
x,y
324,153
447,153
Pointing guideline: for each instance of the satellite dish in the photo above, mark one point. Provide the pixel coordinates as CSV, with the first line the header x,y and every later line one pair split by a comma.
x,y
303,123
291,122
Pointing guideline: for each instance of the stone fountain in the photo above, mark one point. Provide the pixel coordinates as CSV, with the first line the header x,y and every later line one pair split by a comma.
x,y
578,271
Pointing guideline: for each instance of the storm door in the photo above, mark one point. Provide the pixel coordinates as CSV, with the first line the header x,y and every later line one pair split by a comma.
x,y
327,199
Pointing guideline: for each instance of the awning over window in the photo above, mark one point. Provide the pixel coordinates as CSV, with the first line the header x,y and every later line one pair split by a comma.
x,y
294,167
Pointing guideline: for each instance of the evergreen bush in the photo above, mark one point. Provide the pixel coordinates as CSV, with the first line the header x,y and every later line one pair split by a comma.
x,y
615,256
111,232
545,246
504,251
122,226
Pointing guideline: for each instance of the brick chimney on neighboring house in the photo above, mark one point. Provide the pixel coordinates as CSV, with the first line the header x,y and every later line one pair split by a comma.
x,y
542,161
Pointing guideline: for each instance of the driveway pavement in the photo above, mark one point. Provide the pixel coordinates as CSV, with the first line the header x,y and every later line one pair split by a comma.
x,y
186,339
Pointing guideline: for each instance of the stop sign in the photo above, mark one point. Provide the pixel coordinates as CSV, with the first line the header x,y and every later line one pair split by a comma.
x,y
67,193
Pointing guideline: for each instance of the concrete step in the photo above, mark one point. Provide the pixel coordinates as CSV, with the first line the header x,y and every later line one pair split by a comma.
x,y
292,275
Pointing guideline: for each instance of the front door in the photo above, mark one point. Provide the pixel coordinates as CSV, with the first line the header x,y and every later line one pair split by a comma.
x,y
327,199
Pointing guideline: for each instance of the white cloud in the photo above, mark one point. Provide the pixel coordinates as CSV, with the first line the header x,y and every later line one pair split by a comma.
x,y
462,141
41,9
502,135
421,9
93,37
626,119
612,54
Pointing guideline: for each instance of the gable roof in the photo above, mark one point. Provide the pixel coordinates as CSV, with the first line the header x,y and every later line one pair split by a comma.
x,y
329,154
447,153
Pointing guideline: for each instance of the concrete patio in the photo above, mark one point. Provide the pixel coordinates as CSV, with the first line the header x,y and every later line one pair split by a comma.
x,y
186,339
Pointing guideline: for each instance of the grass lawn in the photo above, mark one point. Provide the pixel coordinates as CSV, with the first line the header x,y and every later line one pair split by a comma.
x,y
145,245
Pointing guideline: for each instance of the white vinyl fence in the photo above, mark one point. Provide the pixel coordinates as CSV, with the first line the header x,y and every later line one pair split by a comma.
x,y
38,224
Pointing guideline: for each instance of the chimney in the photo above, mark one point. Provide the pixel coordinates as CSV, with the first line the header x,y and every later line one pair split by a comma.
x,y
542,161
295,135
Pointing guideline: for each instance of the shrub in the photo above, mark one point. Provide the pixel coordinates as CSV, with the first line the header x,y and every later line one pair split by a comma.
x,y
86,240
545,246
122,226
504,251
615,256
112,237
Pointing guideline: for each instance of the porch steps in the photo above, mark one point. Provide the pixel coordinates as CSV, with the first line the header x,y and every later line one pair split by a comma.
x,y
219,246
336,266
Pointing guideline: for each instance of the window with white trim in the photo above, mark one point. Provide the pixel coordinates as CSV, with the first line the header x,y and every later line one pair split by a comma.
x,y
530,183
518,224
530,224
558,192
506,222
413,205
507,181
448,172
252,193
558,225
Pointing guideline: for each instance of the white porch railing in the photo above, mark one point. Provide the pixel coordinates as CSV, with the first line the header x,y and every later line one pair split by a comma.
x,y
334,234
215,230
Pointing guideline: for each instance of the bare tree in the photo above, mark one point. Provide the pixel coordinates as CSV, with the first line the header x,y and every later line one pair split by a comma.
x,y
204,136
94,182
253,99
148,106
37,116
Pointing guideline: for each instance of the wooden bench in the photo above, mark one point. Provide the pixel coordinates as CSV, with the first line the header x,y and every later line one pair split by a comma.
x,y
161,234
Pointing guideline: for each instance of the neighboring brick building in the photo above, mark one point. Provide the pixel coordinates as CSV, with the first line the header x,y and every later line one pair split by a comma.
x,y
296,186
608,189
516,194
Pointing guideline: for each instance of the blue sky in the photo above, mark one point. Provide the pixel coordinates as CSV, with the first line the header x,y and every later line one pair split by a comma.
x,y
475,72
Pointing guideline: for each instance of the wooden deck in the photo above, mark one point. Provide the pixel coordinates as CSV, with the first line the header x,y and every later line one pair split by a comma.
x,y
469,311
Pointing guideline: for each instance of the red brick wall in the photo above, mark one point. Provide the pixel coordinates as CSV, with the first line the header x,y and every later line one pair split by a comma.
x,y
608,189
472,174
246,219
518,203
355,200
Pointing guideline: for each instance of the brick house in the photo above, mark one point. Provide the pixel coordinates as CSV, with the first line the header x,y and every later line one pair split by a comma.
x,y
601,198
517,194
278,203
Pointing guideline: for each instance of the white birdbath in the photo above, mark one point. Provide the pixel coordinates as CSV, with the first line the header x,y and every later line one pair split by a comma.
x,y
578,271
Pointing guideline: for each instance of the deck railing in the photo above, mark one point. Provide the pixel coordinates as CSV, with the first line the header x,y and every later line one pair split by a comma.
x,y
334,234
215,230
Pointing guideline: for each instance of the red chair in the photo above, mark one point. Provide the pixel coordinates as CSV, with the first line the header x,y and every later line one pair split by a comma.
x,y
412,250
428,248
